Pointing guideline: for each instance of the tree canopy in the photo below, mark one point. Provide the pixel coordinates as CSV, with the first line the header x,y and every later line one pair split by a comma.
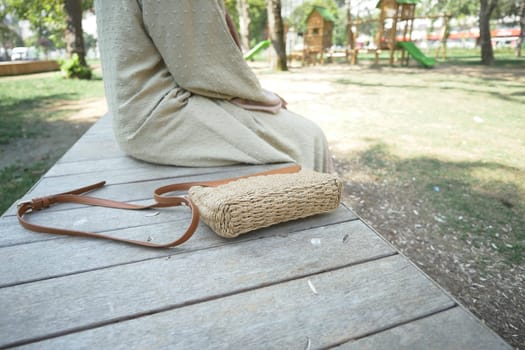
x,y
258,18
46,17
484,10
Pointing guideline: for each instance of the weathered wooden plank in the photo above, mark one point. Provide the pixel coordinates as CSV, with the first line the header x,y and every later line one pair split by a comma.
x,y
90,254
348,302
91,137
103,126
90,148
450,329
60,304
94,219
129,186
96,143
86,218
100,130
133,185
90,218
98,166
112,167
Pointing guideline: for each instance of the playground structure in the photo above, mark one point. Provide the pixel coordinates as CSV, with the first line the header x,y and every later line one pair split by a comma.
x,y
256,49
394,33
396,15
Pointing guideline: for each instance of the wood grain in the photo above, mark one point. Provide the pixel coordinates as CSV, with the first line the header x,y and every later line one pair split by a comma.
x,y
119,292
349,302
449,329
52,250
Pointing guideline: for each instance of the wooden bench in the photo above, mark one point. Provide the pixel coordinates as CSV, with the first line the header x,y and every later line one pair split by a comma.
x,y
27,67
325,281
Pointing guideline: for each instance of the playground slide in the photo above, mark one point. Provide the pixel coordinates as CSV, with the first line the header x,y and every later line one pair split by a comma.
x,y
412,49
260,46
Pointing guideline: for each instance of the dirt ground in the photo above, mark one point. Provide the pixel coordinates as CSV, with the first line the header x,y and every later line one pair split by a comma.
x,y
498,301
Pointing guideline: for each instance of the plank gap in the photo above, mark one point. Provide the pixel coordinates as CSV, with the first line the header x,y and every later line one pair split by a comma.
x,y
83,160
399,324
168,251
192,302
56,236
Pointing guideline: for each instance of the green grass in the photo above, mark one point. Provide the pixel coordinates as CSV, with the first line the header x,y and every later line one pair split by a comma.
x,y
472,57
472,118
28,108
17,179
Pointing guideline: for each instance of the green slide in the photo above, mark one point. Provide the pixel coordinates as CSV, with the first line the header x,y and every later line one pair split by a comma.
x,y
260,46
416,53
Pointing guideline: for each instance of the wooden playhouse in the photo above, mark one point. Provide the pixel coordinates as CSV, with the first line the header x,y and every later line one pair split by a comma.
x,y
318,35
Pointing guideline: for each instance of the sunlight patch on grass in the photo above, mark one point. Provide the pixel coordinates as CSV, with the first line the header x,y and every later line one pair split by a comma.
x,y
451,118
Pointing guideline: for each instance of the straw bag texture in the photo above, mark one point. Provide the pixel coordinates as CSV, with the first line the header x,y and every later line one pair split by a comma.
x,y
230,206
259,201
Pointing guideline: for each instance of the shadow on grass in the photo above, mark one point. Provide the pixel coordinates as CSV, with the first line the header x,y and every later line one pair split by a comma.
x,y
517,63
377,84
20,118
34,155
479,208
491,88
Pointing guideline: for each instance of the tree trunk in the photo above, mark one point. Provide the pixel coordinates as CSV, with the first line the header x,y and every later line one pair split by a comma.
x,y
74,34
487,54
244,24
350,38
522,29
349,24
276,34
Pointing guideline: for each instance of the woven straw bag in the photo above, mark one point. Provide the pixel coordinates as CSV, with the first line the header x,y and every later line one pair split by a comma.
x,y
260,201
230,207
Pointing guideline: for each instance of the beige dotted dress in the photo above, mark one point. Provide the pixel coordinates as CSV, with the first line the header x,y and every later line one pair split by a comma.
x,y
171,69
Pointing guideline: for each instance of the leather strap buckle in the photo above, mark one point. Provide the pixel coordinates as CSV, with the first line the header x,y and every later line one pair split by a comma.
x,y
40,203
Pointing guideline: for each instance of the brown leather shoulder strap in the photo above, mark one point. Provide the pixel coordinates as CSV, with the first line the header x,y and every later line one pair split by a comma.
x,y
159,192
76,196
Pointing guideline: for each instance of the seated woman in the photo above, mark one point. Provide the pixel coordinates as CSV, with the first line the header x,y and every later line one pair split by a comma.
x,y
180,92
